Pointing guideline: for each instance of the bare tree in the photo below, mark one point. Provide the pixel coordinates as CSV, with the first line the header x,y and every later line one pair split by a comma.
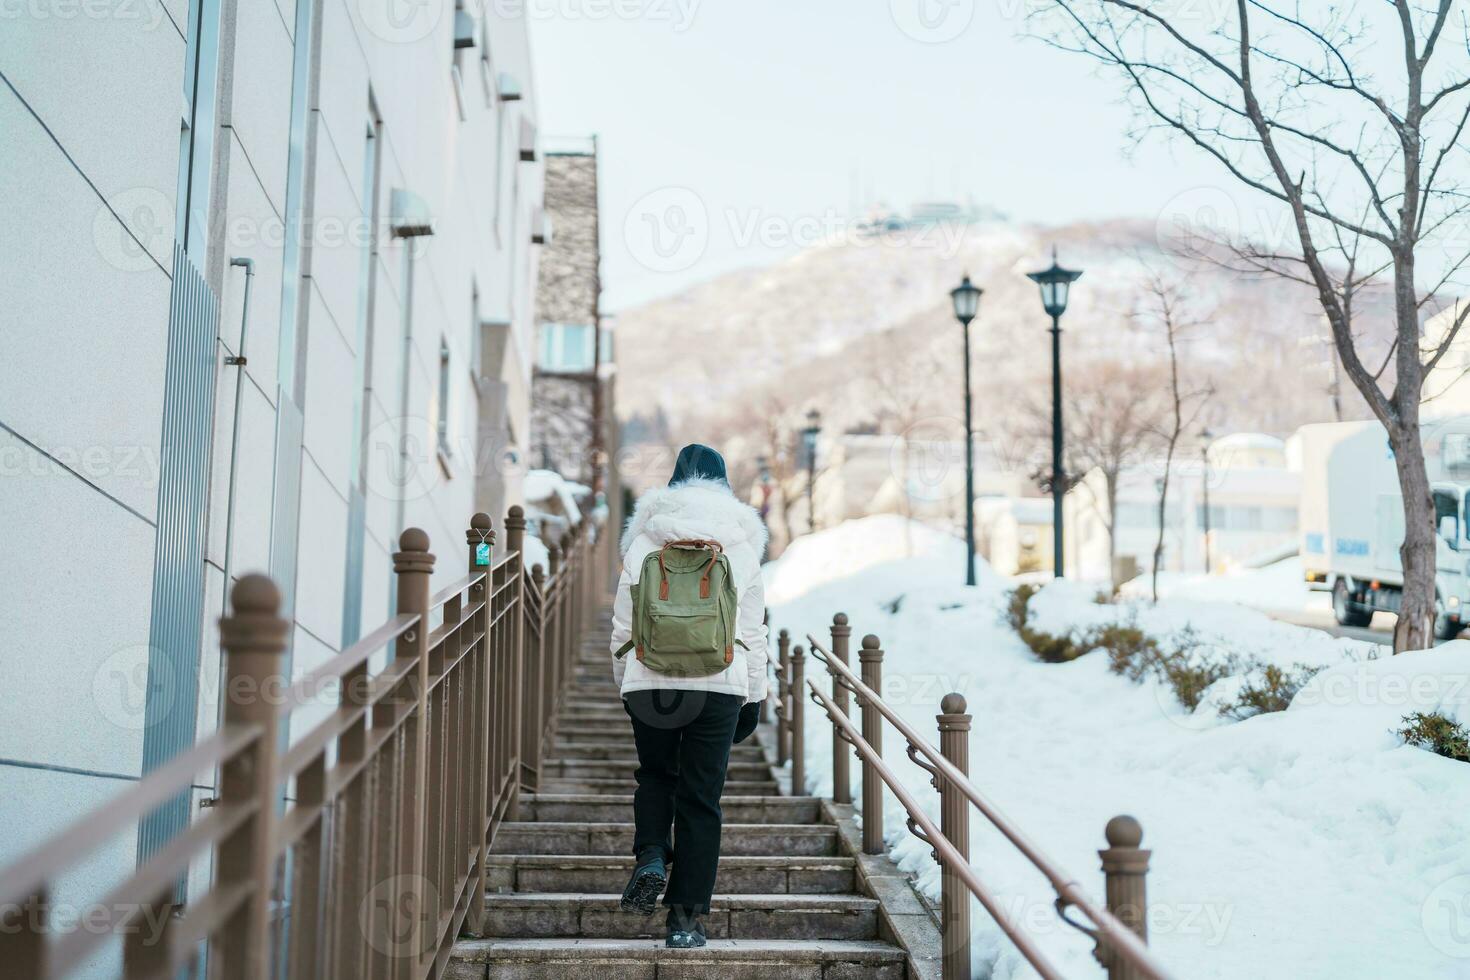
x,y
1294,102
1115,412
903,386
1167,312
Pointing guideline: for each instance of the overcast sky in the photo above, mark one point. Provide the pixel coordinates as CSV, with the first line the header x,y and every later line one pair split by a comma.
x,y
733,132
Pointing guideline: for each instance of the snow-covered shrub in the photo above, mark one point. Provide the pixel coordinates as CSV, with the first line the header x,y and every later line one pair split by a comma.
x,y
1131,651
1267,688
1436,733
1187,666
1190,674
1053,648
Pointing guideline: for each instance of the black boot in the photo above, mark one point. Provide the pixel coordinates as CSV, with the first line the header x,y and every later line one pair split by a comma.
x,y
647,883
685,929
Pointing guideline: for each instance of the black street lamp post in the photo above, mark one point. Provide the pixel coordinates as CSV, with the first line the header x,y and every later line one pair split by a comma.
x,y
809,445
1055,284
966,297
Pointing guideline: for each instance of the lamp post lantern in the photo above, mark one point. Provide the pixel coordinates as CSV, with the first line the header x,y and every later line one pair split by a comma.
x,y
966,298
1056,283
1205,438
809,446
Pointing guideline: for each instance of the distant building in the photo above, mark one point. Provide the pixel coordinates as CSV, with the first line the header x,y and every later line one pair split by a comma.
x,y
860,474
1446,389
572,421
880,219
1015,533
1253,504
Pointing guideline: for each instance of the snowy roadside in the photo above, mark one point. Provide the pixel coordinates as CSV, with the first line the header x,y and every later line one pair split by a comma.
x,y
1305,843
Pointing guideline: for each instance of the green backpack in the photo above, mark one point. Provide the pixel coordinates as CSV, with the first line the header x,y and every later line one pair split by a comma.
x,y
684,610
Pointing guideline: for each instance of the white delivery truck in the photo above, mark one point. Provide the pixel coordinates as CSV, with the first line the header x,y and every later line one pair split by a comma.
x,y
1352,518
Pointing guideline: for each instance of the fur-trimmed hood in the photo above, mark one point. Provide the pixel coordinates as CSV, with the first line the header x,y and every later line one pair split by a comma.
x,y
696,509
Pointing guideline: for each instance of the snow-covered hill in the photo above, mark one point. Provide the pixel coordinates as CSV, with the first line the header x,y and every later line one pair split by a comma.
x,y
815,326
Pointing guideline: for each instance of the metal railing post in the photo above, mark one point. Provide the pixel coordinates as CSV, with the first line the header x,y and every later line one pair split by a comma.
x,y
841,754
532,724
954,824
253,638
783,705
871,657
413,564
543,657
798,722
1125,866
483,712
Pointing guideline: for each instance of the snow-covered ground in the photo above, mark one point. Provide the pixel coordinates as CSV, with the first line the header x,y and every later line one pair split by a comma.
x,y
1278,587
1305,843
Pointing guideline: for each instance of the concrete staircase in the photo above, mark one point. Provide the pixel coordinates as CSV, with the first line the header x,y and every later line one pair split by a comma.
x,y
786,903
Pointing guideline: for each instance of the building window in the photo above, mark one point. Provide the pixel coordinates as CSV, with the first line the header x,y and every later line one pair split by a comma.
x,y
442,423
566,348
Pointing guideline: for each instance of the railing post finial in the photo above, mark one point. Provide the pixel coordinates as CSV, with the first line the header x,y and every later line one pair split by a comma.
x,y
1125,866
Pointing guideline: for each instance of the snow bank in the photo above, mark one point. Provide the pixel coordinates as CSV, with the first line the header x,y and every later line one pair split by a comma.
x,y
1305,843
541,486
1278,586
858,545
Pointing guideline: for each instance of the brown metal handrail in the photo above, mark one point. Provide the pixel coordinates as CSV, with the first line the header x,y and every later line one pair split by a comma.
x,y
1117,943
932,836
392,798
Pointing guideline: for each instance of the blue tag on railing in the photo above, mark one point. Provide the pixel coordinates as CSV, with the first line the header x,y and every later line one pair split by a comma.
x,y
482,553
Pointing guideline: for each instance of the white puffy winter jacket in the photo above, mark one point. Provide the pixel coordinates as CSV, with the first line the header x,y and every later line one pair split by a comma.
x,y
697,509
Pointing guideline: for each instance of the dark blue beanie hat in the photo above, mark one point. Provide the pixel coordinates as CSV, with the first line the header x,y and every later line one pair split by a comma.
x,y
698,462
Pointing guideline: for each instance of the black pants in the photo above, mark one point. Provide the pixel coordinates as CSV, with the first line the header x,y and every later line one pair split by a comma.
x,y
683,740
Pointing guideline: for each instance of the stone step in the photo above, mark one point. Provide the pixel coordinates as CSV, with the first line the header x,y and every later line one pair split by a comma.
x,y
557,915
607,874
746,752
639,959
625,787
601,717
614,768
621,730
594,808
580,837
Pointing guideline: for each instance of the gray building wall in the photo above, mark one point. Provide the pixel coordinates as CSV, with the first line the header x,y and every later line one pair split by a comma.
x,y
89,158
